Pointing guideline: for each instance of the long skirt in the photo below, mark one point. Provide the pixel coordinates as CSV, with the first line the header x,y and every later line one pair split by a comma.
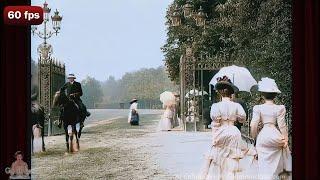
x,y
229,157
37,139
273,159
165,124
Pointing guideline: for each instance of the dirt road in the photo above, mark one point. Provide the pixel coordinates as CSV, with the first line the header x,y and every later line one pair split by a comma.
x,y
108,150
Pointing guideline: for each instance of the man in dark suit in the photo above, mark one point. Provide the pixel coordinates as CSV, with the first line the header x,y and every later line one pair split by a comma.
x,y
244,106
74,91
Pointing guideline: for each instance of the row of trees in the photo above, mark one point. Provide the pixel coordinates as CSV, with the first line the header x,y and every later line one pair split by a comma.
x,y
253,33
144,84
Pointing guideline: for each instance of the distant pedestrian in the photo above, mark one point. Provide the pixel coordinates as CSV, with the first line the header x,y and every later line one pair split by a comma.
x,y
133,117
165,122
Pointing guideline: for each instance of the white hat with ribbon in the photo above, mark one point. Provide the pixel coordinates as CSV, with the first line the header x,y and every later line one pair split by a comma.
x,y
268,85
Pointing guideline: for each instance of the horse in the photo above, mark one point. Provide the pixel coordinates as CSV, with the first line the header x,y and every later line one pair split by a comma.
x,y
38,119
71,119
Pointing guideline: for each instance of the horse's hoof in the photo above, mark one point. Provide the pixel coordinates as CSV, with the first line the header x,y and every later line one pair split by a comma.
x,y
66,153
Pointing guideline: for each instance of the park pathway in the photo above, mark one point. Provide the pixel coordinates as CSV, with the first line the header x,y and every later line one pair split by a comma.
x,y
111,149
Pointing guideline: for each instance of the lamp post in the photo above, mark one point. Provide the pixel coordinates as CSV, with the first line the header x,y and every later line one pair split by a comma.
x,y
44,49
200,21
199,17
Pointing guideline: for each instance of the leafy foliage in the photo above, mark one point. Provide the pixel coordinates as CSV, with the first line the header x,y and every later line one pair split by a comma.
x,y
253,33
92,92
144,84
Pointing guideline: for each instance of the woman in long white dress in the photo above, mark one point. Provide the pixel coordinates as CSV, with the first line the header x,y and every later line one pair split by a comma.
x,y
165,123
133,107
37,138
274,157
223,161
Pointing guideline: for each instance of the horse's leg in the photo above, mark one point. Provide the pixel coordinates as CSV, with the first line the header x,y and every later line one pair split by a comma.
x,y
67,142
42,135
70,133
81,126
77,131
71,142
74,138
32,137
67,138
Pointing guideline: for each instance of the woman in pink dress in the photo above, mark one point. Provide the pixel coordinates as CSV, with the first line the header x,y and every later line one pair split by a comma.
x,y
165,124
274,157
223,161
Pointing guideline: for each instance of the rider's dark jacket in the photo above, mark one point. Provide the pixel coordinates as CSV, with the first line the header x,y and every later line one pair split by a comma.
x,y
73,88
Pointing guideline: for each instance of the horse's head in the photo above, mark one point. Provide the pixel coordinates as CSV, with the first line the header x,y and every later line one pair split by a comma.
x,y
59,98
56,99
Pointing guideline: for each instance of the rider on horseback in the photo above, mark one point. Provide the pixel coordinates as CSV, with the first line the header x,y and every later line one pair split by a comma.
x,y
74,92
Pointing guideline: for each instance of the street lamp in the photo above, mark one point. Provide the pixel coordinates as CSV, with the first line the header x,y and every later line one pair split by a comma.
x,y
56,21
45,49
200,21
200,18
176,17
187,10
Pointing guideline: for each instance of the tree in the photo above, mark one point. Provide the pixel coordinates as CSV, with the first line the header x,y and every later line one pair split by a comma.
x,y
253,33
145,84
92,92
110,89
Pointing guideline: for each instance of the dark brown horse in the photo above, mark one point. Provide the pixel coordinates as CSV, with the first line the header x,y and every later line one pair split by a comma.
x,y
71,120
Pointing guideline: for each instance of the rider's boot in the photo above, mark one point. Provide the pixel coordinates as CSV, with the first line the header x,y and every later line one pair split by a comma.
x,y
85,111
81,125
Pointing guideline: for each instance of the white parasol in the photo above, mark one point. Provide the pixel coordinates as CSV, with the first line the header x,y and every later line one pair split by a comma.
x,y
239,76
167,98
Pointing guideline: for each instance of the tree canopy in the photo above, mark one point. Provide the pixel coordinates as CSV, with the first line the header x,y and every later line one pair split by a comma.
x,y
144,84
92,92
253,33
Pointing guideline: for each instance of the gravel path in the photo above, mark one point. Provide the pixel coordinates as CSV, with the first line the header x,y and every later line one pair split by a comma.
x,y
108,150
112,149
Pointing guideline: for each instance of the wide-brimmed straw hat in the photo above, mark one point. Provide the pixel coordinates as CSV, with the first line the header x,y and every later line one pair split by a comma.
x,y
71,76
268,85
225,83
133,100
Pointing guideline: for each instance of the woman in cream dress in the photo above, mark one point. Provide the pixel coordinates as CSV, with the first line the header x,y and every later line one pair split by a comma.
x,y
133,107
167,117
274,157
223,161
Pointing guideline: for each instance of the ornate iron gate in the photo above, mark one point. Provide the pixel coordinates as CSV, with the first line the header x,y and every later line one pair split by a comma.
x,y
194,85
51,78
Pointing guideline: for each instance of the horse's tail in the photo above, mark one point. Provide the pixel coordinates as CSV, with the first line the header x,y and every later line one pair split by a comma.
x,y
56,99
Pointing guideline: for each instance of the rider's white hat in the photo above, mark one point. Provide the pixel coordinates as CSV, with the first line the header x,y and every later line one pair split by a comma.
x,y
268,85
71,76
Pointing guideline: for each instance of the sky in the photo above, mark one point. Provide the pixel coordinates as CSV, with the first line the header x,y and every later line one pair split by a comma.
x,y
107,37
